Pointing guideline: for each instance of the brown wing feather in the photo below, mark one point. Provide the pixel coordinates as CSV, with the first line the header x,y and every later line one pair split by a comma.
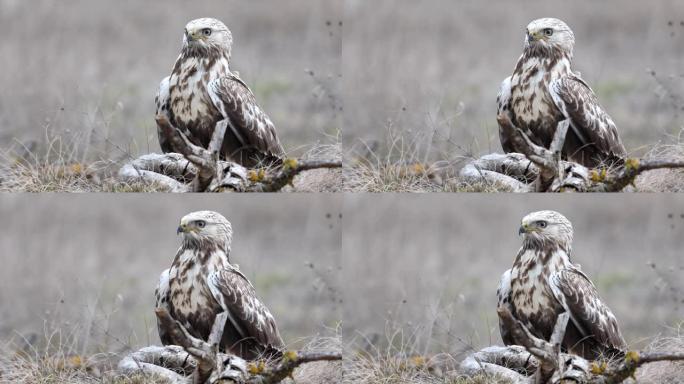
x,y
237,296
161,295
161,101
253,130
503,295
594,130
595,322
503,99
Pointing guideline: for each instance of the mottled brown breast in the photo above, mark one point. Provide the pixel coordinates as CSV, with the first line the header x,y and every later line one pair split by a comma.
x,y
191,108
190,300
531,295
532,107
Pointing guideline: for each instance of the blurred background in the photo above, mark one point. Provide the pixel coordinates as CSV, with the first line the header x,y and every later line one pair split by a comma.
x,y
88,70
425,270
86,266
430,70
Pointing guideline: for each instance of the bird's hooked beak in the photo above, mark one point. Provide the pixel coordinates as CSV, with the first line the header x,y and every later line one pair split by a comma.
x,y
181,229
191,36
523,229
534,36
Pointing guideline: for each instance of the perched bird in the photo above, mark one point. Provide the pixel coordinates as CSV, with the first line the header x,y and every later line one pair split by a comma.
x,y
202,92
202,283
544,90
544,283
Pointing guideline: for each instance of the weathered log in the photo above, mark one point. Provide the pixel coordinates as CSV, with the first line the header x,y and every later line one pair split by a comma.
x,y
551,173
512,171
195,361
196,169
537,361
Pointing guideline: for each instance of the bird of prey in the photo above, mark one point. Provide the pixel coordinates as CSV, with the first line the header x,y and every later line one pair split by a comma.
x,y
202,283
543,283
544,91
203,92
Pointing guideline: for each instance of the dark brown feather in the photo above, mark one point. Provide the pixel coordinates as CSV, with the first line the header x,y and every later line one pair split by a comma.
x,y
593,330
251,137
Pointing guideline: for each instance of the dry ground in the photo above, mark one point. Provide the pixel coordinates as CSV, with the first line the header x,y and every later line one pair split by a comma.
x,y
425,271
79,272
406,366
427,73
83,74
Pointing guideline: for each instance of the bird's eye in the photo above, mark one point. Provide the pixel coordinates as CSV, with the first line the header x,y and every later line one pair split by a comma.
x,y
548,32
201,224
206,31
542,224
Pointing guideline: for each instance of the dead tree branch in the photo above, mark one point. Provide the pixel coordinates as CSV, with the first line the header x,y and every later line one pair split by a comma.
x,y
195,361
537,361
196,169
551,173
286,175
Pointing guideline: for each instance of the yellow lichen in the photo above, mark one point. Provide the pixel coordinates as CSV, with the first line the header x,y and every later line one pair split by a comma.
x,y
632,163
256,176
598,368
289,356
632,357
418,361
598,176
290,164
77,168
257,368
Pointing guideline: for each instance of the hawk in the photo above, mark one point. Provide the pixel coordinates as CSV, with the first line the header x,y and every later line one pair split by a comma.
x,y
544,90
203,92
202,283
544,283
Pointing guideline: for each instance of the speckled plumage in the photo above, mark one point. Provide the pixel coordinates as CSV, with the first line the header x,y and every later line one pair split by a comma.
x,y
543,283
544,90
202,283
202,91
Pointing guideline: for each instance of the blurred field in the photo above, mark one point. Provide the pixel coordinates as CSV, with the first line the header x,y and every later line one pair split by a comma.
x,y
430,70
90,69
89,264
425,271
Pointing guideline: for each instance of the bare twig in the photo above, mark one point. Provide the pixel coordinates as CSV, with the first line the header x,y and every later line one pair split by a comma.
x,y
290,361
290,169
633,167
